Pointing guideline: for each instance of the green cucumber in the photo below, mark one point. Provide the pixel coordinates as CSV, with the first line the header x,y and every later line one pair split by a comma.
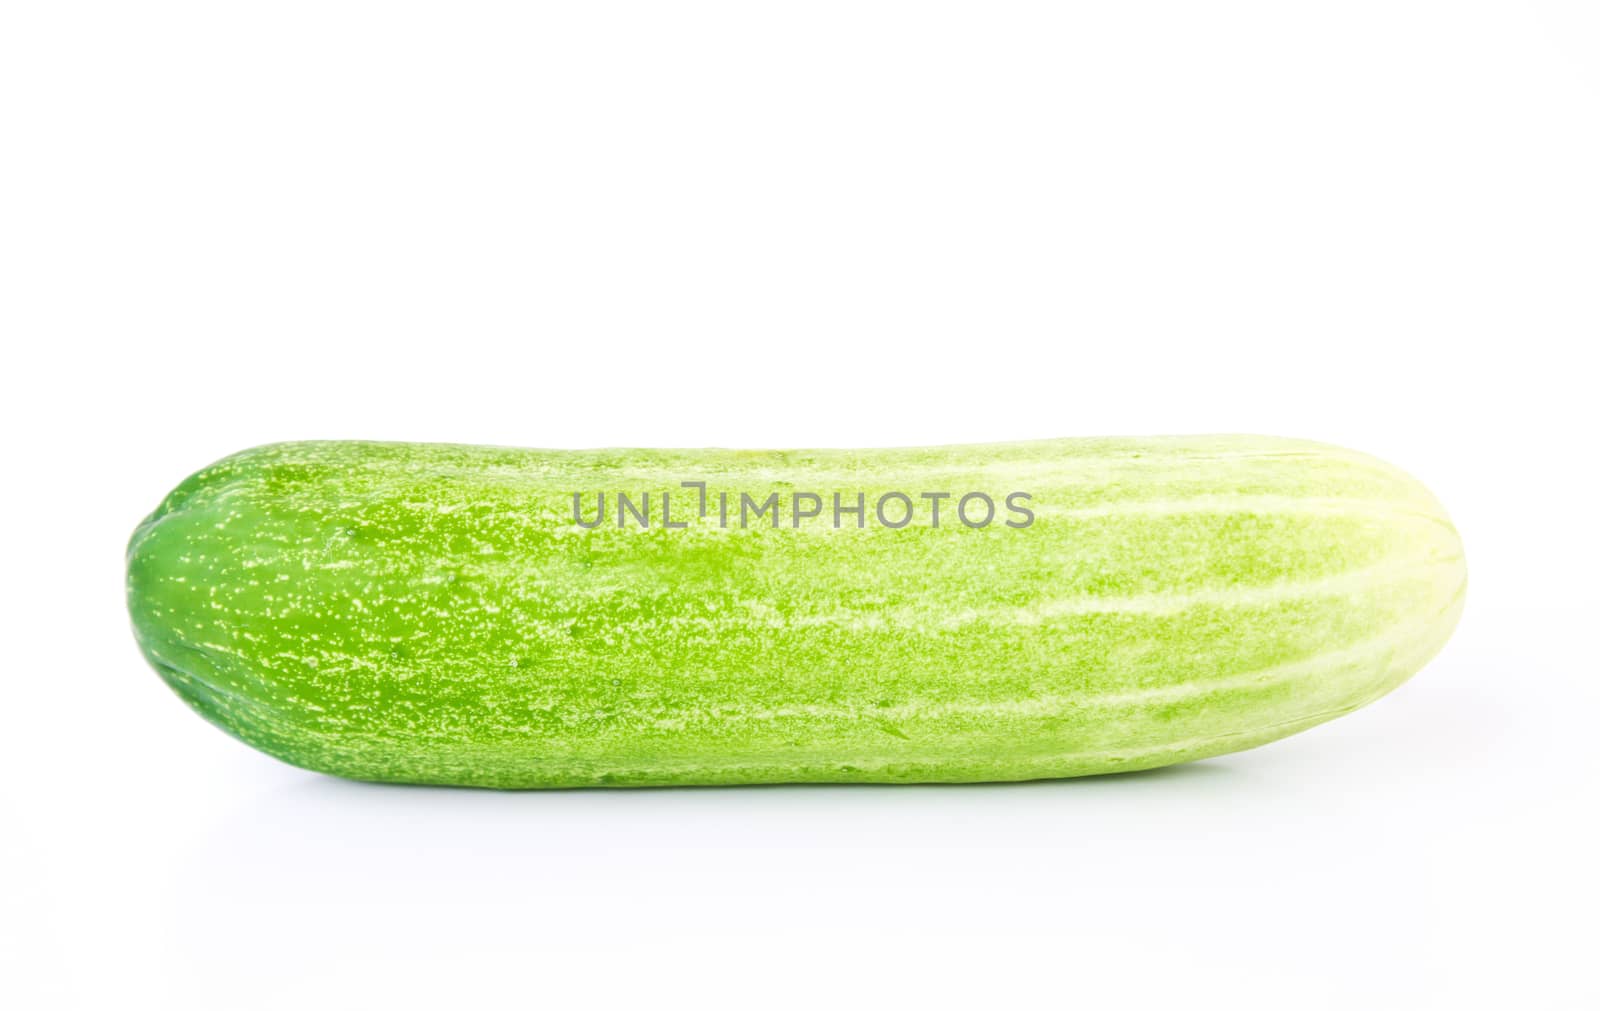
x,y
466,615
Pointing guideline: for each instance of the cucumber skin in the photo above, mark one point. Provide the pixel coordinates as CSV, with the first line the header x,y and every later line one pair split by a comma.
x,y
429,613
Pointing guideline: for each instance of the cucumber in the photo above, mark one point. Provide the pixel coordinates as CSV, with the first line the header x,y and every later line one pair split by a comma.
x,y
535,618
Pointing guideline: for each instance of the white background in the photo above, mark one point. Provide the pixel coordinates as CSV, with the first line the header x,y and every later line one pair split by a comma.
x,y
860,223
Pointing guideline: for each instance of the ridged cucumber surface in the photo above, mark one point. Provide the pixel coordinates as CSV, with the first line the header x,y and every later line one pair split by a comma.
x,y
444,614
